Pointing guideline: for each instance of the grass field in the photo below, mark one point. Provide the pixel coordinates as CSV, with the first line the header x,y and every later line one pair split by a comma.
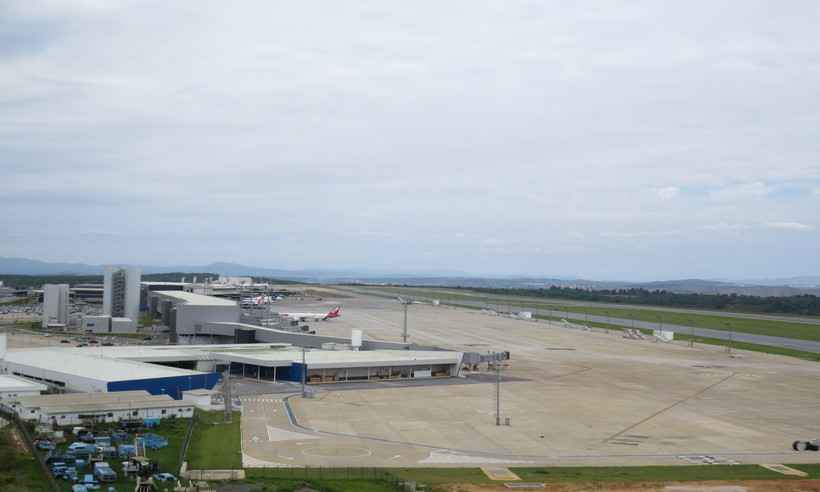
x,y
755,326
370,480
19,471
215,445
324,479
627,474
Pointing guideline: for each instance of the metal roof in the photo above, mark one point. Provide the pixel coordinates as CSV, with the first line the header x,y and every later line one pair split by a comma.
x,y
16,383
318,359
96,402
192,299
90,364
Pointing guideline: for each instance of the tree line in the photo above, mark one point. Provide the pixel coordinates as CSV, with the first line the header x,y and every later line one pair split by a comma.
x,y
806,305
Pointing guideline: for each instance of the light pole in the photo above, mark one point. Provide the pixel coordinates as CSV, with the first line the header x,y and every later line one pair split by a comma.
x,y
405,303
692,334
404,331
497,390
304,372
226,393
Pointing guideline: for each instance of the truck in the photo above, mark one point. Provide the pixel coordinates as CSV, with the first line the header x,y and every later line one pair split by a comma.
x,y
104,473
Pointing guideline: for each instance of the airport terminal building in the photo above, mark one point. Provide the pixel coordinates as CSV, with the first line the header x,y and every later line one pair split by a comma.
x,y
174,369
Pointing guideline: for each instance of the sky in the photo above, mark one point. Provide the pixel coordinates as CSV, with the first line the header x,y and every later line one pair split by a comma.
x,y
603,140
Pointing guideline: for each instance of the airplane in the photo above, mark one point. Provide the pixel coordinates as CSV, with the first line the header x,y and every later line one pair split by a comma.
x,y
333,313
259,300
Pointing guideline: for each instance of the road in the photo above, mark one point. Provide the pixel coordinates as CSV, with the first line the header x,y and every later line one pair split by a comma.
x,y
792,343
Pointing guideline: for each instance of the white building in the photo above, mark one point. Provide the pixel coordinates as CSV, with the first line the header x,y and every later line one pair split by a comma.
x,y
107,324
74,409
187,314
55,304
12,388
235,280
121,292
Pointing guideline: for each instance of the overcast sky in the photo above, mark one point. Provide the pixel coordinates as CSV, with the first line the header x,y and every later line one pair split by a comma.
x,y
606,140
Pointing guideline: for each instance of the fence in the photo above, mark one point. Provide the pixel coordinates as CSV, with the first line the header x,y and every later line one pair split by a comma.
x,y
314,473
183,450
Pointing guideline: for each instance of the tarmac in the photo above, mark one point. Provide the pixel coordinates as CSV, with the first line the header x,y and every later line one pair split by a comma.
x,y
572,397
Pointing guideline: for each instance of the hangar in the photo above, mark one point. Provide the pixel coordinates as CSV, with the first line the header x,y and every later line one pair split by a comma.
x,y
92,371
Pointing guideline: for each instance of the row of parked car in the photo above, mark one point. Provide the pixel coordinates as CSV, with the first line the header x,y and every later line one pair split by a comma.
x,y
96,451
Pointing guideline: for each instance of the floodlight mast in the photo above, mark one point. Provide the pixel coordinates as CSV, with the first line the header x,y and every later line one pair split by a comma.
x,y
497,392
226,393
304,371
405,303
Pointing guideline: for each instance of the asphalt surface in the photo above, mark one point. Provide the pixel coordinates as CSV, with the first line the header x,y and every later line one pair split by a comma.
x,y
792,343
519,300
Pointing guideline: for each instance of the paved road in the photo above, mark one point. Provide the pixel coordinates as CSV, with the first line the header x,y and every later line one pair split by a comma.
x,y
792,343
706,312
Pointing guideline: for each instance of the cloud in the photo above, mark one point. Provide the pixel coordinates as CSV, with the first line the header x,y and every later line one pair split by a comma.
x,y
667,192
754,190
724,226
213,133
789,226
637,234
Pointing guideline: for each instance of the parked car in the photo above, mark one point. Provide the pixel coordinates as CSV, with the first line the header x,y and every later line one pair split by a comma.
x,y
82,345
44,444
119,436
104,473
65,341
165,477
63,459
90,482
102,440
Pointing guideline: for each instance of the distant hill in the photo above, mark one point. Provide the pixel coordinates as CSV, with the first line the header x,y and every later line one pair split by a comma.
x,y
764,288
807,281
688,286
24,266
